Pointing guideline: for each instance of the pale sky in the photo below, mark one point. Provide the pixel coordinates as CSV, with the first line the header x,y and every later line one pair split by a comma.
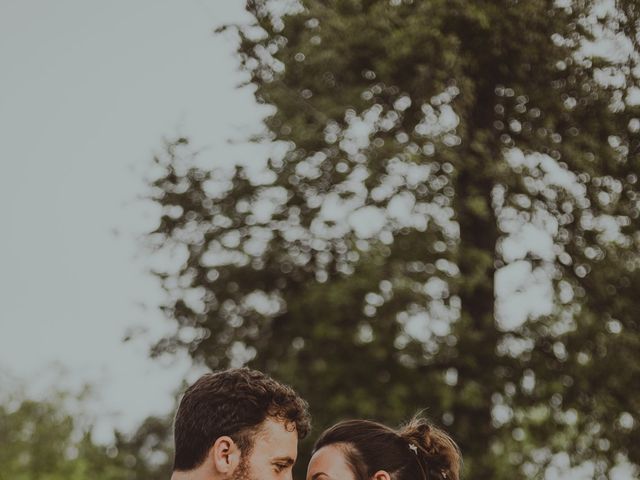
x,y
88,89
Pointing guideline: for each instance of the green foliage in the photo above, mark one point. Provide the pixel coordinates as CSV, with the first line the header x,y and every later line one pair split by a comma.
x,y
41,440
422,145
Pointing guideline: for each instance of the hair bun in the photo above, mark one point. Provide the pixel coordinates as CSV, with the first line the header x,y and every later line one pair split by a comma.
x,y
437,452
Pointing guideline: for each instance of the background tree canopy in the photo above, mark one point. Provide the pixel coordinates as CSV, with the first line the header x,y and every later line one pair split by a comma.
x,y
45,440
450,220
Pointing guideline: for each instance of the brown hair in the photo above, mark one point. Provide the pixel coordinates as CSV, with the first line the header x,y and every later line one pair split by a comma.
x,y
418,450
233,402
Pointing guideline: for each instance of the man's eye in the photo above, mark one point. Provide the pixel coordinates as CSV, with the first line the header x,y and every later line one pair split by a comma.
x,y
280,467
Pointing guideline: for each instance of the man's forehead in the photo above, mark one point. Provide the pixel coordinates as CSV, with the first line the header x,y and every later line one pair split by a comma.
x,y
275,426
280,436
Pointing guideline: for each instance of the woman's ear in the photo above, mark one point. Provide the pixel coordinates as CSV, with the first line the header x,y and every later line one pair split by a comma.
x,y
224,455
381,475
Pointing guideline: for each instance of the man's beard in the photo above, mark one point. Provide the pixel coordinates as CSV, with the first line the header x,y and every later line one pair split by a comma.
x,y
242,470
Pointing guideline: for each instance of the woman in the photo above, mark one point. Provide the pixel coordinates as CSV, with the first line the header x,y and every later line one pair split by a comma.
x,y
365,450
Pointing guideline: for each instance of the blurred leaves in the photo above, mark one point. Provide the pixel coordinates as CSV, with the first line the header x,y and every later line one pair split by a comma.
x,y
42,440
449,219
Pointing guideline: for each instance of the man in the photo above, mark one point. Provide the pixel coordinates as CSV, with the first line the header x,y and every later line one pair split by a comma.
x,y
238,424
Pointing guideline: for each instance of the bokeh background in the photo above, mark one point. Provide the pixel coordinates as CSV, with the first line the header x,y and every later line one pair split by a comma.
x,y
391,205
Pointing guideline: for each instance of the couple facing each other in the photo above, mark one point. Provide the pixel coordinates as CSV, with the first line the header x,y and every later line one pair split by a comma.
x,y
240,424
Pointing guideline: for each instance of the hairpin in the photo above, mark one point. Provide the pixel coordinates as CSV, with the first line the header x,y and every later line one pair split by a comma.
x,y
413,448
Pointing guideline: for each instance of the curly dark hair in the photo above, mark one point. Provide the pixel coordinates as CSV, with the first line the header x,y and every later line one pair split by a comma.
x,y
232,402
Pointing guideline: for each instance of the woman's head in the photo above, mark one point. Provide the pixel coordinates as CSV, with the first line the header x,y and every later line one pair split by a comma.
x,y
365,450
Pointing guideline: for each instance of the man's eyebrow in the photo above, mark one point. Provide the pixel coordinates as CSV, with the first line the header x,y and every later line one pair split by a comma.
x,y
287,460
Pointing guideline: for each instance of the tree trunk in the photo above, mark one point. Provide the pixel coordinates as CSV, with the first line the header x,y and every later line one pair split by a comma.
x,y
478,237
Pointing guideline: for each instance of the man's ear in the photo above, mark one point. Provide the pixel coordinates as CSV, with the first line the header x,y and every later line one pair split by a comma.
x,y
381,475
224,455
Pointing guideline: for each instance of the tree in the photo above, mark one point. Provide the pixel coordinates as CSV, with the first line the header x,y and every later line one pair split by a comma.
x,y
440,163
42,440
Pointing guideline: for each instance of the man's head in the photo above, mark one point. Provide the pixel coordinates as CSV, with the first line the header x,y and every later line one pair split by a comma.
x,y
239,424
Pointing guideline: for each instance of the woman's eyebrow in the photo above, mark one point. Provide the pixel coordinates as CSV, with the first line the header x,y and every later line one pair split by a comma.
x,y
318,475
